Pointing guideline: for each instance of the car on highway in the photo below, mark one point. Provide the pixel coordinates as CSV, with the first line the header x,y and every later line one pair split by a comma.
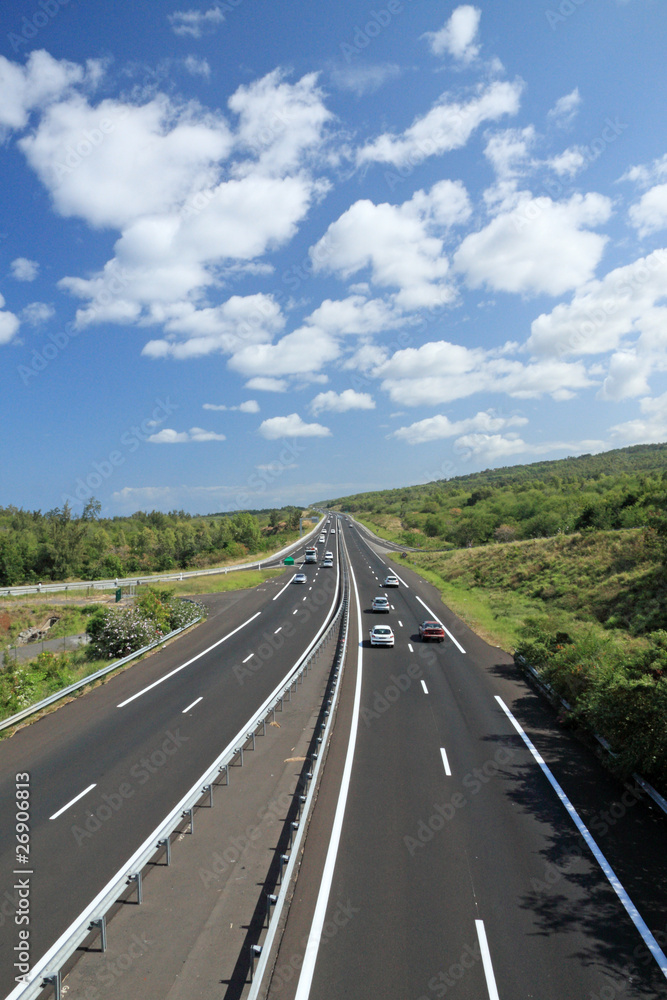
x,y
333,531
327,563
431,631
382,635
323,538
328,555
380,604
300,578
391,581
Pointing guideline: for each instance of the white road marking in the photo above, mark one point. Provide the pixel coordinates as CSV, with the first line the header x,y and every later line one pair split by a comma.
x,y
401,580
410,647
72,801
188,662
195,702
277,630
630,907
315,935
248,658
401,624
486,961
448,770
424,686
305,598
295,611
436,619
284,588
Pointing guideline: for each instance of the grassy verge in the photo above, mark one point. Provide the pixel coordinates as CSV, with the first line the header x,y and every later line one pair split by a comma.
x,y
244,579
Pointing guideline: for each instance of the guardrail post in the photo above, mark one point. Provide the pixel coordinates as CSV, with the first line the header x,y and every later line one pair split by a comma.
x,y
190,813
239,750
209,789
284,858
251,736
270,901
255,952
54,981
167,843
101,922
136,877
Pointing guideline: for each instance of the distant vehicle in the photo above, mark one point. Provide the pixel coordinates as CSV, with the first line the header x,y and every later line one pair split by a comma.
x,y
328,555
327,563
311,554
380,604
382,635
300,578
323,538
431,630
333,531
391,581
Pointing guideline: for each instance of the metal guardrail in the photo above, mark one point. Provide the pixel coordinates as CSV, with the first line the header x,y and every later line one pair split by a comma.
x,y
52,698
127,581
47,970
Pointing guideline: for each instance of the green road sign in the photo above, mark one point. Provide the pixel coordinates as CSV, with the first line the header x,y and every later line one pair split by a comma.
x,y
289,561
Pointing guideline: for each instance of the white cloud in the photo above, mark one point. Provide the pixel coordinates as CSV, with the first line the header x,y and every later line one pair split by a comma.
x,y
169,436
250,406
195,23
42,80
291,426
448,125
355,315
604,313
440,426
9,323
401,244
336,402
651,428
23,269
494,448
568,163
264,384
363,79
649,214
627,376
36,313
304,351
565,109
539,246
458,34
197,67
440,372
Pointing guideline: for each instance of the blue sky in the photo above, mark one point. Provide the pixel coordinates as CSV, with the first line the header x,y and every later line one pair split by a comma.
x,y
256,254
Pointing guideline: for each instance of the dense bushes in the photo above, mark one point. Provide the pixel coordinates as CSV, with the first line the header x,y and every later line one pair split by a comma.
x,y
117,632
616,688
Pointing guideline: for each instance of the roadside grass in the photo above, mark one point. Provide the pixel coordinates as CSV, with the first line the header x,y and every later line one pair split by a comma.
x,y
217,584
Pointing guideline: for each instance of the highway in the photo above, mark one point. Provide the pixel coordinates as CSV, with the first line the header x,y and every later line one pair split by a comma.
x,y
440,860
106,768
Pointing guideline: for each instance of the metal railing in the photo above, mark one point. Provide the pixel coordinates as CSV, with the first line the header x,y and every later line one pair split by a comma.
x,y
47,970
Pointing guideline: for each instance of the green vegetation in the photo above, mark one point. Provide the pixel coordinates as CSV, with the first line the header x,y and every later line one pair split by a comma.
x,y
26,683
117,632
59,546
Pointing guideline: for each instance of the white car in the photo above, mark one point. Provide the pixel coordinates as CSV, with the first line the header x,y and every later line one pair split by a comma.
x,y
328,555
323,538
333,531
380,604
382,635
391,581
327,563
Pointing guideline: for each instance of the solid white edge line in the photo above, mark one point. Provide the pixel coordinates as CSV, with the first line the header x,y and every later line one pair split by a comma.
x,y
188,662
315,935
195,702
486,961
435,618
448,770
72,801
424,686
629,906
283,588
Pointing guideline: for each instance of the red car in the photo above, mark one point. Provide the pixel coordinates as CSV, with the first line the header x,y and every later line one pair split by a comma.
x,y
431,630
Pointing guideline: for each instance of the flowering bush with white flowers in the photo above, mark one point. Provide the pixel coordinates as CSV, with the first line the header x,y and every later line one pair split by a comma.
x,y
117,632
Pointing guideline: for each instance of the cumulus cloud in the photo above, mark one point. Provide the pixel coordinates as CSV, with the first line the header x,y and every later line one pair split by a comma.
x,y
9,323
649,214
650,428
457,36
264,384
495,448
363,79
197,67
39,82
448,125
440,426
402,245
565,109
302,352
23,269
291,426
195,23
169,436
36,313
341,402
539,246
250,406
